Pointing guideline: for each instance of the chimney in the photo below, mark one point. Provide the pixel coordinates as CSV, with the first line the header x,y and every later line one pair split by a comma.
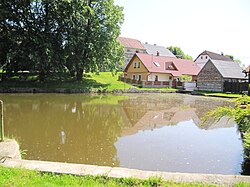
x,y
158,53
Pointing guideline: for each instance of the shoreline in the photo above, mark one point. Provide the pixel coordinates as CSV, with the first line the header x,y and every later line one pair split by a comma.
x,y
69,91
119,172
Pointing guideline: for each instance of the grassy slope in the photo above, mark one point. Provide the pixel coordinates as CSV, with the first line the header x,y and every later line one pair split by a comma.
x,y
110,81
22,177
91,81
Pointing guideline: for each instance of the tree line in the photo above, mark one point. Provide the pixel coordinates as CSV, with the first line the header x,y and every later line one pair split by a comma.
x,y
50,37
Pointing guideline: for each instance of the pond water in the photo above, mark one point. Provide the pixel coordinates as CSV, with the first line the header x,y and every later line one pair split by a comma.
x,y
160,132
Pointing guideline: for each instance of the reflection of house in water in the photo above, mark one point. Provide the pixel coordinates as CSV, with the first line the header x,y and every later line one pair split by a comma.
x,y
150,114
156,119
136,108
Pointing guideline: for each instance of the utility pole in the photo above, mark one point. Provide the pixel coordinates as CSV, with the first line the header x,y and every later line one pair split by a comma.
x,y
1,122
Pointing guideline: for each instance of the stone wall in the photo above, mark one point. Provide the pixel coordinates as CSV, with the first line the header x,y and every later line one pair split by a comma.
x,y
209,78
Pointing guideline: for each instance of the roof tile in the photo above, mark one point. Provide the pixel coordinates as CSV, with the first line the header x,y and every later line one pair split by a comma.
x,y
130,43
184,67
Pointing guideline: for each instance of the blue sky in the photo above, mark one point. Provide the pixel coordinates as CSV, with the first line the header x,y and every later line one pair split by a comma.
x,y
193,25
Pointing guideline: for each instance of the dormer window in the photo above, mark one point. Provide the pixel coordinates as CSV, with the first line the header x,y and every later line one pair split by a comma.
x,y
169,66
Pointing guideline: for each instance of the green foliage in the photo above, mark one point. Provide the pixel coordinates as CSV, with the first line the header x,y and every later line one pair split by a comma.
x,y
179,53
23,177
184,78
230,56
241,114
60,36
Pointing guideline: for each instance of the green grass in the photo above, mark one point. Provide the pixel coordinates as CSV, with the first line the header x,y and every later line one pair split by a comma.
x,y
228,95
110,81
104,81
91,82
219,94
23,177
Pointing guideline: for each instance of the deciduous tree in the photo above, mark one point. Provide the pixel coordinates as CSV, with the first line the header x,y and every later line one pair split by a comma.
x,y
179,53
48,37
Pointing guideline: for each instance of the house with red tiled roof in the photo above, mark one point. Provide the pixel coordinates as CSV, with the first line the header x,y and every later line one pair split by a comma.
x,y
131,46
158,71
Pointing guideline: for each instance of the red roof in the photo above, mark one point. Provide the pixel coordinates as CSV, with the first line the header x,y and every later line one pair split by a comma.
x,y
130,43
157,64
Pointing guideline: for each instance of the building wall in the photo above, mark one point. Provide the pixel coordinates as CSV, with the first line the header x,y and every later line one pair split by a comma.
x,y
136,68
209,78
202,60
129,53
161,77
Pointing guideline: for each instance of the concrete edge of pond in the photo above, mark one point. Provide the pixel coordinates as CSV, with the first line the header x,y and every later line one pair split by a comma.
x,y
117,172
9,149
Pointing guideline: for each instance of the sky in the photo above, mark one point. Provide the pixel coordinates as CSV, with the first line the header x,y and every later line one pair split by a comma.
x,y
193,25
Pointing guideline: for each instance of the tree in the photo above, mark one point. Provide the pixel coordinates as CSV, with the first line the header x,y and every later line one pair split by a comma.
x,y
50,37
179,53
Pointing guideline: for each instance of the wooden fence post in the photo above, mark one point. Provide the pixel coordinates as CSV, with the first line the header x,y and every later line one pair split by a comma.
x,y
1,122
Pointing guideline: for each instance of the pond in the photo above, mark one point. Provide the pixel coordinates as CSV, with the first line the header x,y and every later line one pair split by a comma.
x,y
159,132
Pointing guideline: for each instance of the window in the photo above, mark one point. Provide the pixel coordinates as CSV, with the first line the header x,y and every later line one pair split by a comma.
x,y
139,77
133,77
206,57
201,57
138,65
156,78
135,65
157,64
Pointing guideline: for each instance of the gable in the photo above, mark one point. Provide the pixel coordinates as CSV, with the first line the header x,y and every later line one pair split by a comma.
x,y
213,56
135,65
209,71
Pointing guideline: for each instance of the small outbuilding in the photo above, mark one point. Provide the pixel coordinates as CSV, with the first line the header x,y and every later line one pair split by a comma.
x,y
215,73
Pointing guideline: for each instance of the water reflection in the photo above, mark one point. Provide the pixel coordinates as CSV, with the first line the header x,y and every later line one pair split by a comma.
x,y
104,130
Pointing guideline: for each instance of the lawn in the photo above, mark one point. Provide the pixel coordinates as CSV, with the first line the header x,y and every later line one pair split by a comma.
x,y
109,81
104,81
218,94
23,177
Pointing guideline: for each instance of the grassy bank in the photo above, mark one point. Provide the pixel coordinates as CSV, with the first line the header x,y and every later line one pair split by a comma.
x,y
217,94
23,177
103,81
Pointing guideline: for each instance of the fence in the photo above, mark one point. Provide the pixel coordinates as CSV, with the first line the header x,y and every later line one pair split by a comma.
x,y
235,87
153,84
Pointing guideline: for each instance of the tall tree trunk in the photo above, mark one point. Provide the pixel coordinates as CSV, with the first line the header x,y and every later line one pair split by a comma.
x,y
79,74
